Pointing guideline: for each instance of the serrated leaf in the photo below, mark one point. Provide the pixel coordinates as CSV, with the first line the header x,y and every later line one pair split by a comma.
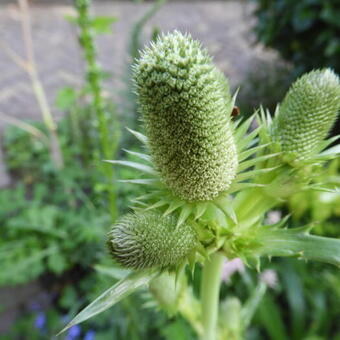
x,y
299,243
117,292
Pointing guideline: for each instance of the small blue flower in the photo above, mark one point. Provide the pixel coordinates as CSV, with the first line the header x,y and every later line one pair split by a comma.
x,y
90,335
40,320
73,332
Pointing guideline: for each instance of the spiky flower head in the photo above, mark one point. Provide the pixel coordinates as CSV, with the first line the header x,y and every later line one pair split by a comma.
x,y
186,109
147,240
307,113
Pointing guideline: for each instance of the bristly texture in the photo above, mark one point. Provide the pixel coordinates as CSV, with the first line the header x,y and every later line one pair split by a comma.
x,y
147,240
307,114
186,109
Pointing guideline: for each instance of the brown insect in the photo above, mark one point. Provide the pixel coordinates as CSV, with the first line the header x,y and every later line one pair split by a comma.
x,y
235,112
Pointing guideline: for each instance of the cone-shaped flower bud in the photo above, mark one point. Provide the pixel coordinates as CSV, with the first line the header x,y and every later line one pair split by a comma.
x,y
147,240
186,109
307,113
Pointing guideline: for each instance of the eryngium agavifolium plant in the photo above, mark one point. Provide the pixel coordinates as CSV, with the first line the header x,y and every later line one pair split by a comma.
x,y
210,180
186,109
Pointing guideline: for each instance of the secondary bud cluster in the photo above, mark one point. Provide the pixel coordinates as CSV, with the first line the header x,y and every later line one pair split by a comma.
x,y
148,240
307,113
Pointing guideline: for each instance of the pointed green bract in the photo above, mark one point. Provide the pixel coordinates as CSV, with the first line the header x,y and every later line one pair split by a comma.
x,y
307,114
148,240
186,109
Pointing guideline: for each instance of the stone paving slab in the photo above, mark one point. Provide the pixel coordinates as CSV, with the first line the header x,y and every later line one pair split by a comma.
x,y
224,27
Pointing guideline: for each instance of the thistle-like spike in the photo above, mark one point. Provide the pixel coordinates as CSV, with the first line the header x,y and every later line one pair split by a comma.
x,y
306,114
149,240
186,107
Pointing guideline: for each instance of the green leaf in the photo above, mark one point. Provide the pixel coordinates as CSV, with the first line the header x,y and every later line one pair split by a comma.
x,y
249,309
66,98
145,181
71,19
134,165
272,319
117,292
114,272
184,214
143,156
139,136
298,242
295,297
102,24
56,262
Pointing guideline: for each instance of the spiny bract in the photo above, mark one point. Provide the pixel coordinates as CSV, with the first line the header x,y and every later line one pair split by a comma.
x,y
186,109
147,240
307,113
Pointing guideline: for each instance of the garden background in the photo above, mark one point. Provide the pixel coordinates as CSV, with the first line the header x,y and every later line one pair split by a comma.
x,y
56,199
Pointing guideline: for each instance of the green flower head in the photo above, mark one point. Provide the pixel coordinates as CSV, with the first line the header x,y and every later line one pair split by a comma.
x,y
147,240
307,113
186,109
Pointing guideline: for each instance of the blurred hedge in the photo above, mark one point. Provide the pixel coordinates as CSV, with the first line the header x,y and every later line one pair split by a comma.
x,y
305,32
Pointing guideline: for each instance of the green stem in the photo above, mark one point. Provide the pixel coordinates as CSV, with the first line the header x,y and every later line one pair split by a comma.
x,y
94,79
210,290
299,243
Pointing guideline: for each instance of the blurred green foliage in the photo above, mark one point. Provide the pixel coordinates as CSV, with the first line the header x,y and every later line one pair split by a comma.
x,y
305,32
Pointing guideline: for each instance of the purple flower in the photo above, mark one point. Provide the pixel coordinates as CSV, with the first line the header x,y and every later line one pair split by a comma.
x,y
40,320
273,217
231,267
269,278
73,332
90,335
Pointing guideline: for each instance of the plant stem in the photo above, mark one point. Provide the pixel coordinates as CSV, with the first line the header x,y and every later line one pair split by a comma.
x,y
38,89
210,290
94,79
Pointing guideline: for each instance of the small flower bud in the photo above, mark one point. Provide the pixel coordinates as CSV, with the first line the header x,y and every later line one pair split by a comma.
x,y
147,240
186,107
307,113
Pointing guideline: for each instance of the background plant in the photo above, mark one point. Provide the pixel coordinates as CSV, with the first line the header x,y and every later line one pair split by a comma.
x,y
312,28
186,104
65,268
39,241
